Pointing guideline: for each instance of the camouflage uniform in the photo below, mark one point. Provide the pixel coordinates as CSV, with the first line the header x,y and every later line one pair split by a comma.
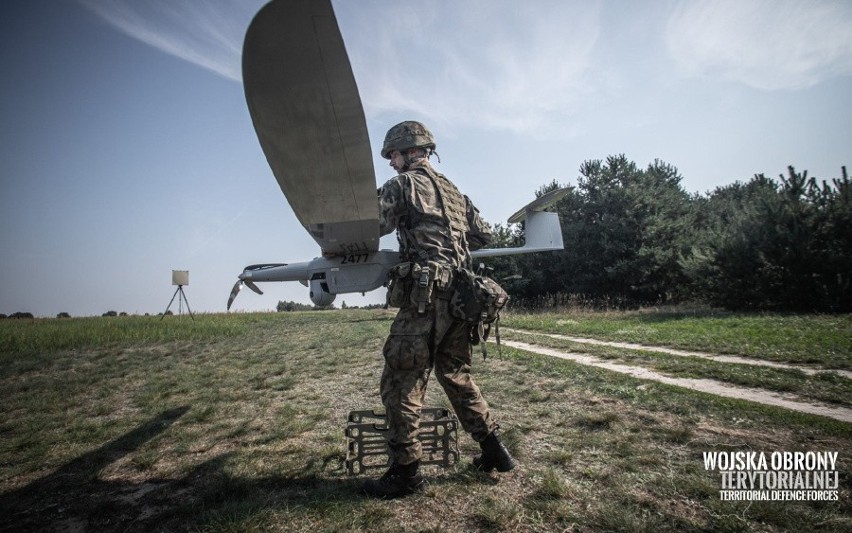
x,y
435,225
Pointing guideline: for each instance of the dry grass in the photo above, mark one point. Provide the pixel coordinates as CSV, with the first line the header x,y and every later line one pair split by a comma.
x,y
244,432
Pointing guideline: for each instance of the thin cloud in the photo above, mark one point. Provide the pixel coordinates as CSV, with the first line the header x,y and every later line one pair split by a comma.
x,y
766,44
206,34
502,64
499,64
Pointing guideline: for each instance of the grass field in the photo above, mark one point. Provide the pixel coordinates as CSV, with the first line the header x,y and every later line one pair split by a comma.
x,y
235,423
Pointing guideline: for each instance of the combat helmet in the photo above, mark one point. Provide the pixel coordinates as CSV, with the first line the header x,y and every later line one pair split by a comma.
x,y
406,135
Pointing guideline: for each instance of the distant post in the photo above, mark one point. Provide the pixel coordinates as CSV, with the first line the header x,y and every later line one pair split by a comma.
x,y
179,278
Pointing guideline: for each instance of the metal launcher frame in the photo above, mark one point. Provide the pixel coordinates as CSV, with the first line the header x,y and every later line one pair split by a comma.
x,y
366,439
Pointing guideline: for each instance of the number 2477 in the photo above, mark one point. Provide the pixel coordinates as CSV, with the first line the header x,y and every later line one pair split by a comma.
x,y
356,258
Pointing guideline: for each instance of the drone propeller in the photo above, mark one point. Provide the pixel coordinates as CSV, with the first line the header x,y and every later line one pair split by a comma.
x,y
249,283
252,286
238,286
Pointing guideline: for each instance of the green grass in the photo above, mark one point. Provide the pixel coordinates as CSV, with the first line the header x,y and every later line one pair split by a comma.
x,y
18,337
822,386
817,339
235,423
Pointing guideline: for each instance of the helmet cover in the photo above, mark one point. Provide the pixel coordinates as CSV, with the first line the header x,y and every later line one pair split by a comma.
x,y
407,135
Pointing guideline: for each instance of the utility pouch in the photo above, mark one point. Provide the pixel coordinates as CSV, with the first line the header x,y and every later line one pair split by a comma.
x,y
399,284
478,300
443,276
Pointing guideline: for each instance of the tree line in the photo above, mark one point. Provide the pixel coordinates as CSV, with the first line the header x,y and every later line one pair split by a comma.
x,y
634,237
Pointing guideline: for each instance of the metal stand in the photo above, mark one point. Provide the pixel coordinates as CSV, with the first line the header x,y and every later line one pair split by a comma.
x,y
181,298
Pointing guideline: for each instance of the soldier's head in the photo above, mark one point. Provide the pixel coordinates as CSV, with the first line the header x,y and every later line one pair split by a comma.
x,y
406,143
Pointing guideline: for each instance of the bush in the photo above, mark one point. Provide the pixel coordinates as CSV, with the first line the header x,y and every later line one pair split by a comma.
x,y
292,306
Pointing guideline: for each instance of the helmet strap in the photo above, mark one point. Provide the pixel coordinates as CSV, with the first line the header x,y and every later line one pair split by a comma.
x,y
411,156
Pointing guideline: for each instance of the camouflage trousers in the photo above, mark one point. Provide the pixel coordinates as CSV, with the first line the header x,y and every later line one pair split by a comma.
x,y
418,343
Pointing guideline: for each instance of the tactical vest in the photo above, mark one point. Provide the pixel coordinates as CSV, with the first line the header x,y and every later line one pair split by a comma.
x,y
450,206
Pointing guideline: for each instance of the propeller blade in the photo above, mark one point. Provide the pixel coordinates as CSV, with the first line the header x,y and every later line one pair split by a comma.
x,y
252,286
234,292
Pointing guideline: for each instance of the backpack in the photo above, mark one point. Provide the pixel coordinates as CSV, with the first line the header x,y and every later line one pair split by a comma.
x,y
478,300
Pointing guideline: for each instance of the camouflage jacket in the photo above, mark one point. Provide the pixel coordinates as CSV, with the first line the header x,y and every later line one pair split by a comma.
x,y
434,221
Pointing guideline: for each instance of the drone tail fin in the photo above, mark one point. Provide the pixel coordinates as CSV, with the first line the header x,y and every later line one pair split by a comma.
x,y
541,228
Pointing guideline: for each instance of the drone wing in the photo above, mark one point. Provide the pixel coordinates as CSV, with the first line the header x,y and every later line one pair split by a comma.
x,y
307,113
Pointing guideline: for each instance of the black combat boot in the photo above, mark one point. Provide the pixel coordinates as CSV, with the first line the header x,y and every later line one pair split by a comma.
x,y
494,455
399,480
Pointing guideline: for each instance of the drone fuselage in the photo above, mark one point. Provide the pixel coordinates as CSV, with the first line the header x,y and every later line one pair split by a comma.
x,y
366,271
329,276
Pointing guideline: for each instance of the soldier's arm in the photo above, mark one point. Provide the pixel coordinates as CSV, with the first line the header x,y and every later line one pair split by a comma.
x,y
479,235
390,205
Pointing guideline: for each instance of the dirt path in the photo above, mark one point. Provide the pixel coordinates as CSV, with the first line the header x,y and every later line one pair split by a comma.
x,y
718,388
684,353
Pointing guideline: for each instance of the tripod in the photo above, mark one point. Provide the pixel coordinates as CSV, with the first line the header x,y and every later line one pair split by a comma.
x,y
181,298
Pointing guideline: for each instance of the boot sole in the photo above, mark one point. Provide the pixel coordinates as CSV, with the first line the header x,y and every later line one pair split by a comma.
x,y
479,466
398,494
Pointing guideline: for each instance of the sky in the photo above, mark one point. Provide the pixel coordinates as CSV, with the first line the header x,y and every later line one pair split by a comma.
x,y
127,150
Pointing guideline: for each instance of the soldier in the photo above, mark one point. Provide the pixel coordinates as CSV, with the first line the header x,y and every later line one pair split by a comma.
x,y
436,227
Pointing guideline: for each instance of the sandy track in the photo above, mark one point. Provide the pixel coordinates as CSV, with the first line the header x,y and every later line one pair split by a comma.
x,y
710,386
684,353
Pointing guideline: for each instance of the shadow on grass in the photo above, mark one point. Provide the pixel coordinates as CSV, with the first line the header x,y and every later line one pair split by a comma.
x,y
73,498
